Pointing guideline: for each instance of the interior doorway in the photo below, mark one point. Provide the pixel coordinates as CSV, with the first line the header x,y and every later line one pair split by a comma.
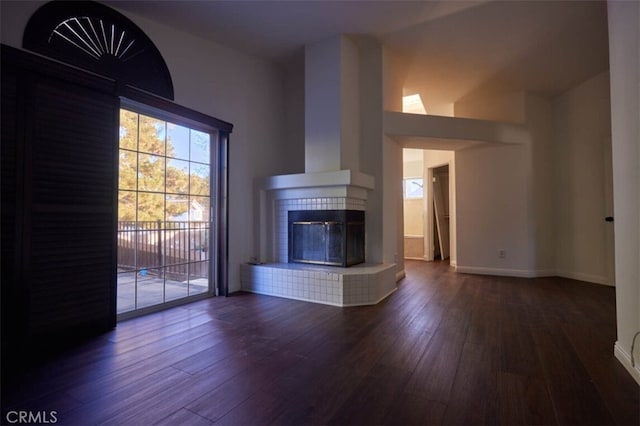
x,y
440,212
429,204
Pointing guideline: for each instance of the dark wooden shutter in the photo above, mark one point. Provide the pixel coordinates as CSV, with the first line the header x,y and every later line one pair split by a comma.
x,y
70,259
13,319
59,180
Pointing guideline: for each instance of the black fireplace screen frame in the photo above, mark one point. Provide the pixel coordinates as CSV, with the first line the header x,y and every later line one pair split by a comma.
x,y
327,237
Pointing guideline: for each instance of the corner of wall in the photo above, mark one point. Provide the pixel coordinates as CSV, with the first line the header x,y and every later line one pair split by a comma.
x,y
625,359
507,107
542,170
624,65
394,71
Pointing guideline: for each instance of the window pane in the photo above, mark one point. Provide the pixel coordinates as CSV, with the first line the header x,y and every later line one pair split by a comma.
x,y
177,248
177,141
126,251
200,150
414,188
177,176
152,135
148,251
199,241
127,170
199,179
198,277
150,207
197,271
126,205
150,288
177,208
199,209
175,290
126,290
126,246
150,172
128,129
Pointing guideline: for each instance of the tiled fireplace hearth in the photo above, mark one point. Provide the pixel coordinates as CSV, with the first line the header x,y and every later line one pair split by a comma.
x,y
272,274
357,285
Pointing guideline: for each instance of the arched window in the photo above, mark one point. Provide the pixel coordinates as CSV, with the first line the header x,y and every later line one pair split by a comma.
x,y
96,38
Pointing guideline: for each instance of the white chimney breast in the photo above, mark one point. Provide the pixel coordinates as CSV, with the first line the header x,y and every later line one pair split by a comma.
x,y
331,106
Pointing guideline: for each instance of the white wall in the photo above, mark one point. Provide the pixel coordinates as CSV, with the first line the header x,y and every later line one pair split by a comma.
x,y
436,158
492,213
324,107
393,232
559,178
294,111
394,70
582,127
624,60
539,120
393,74
372,151
225,84
14,16
494,195
509,107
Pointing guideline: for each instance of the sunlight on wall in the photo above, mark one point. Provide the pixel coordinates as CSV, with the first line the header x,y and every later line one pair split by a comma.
x,y
413,104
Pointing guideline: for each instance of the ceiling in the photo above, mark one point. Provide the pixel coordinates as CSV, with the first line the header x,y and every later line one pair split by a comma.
x,y
451,50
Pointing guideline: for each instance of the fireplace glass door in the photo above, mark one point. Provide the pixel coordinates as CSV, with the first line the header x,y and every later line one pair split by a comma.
x,y
326,237
318,242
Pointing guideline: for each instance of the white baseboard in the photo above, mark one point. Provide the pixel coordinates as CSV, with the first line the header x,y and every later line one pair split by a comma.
x,y
625,359
590,278
526,273
544,273
522,273
400,275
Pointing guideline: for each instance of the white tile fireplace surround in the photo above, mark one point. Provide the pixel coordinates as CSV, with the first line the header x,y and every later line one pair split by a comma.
x,y
354,286
362,284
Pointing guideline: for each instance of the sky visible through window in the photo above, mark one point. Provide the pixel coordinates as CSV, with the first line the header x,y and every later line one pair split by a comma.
x,y
168,164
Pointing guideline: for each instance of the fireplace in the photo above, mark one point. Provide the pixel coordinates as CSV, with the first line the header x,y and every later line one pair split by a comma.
x,y
326,237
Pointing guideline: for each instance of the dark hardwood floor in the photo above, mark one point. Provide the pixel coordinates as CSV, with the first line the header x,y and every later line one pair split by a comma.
x,y
445,348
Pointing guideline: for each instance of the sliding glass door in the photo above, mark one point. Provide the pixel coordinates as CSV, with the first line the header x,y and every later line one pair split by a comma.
x,y
166,184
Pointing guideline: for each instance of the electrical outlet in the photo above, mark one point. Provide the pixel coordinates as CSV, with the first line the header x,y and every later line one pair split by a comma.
x,y
502,253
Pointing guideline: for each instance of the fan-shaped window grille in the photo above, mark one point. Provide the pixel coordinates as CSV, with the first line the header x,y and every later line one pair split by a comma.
x,y
99,39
